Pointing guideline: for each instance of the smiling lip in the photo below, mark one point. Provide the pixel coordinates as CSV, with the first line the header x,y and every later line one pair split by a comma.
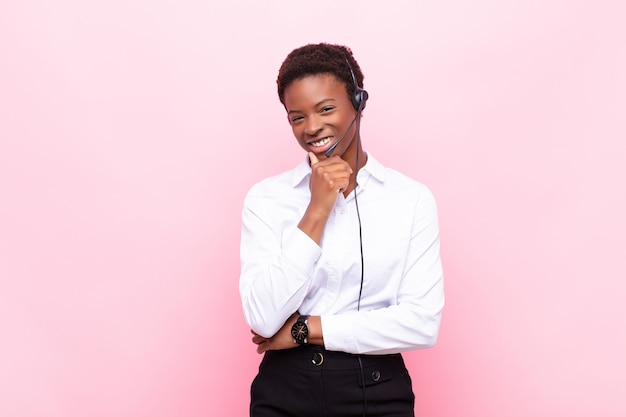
x,y
320,145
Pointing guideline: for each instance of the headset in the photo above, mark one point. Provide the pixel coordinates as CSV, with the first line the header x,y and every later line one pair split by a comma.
x,y
358,99
360,96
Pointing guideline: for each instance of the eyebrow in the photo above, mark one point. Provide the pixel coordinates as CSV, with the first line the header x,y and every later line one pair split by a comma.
x,y
316,105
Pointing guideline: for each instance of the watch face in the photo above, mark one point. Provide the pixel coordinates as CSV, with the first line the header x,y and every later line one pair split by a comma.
x,y
299,332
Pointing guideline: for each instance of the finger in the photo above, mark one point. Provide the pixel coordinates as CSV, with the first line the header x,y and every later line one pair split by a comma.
x,y
342,186
313,158
335,164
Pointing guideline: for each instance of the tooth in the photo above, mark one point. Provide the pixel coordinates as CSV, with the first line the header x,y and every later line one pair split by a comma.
x,y
321,142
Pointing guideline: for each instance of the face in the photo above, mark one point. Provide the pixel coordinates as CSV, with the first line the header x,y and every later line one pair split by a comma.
x,y
320,113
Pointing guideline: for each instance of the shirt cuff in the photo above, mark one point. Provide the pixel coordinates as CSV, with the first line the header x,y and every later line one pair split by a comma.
x,y
338,333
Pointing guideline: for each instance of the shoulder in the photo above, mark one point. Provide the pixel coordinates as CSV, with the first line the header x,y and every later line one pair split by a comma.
x,y
272,185
399,179
394,181
280,187
409,191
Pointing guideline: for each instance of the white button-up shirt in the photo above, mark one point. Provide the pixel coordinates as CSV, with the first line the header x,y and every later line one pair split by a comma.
x,y
283,270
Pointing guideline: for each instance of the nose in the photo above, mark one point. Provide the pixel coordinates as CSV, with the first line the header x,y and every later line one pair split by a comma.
x,y
313,125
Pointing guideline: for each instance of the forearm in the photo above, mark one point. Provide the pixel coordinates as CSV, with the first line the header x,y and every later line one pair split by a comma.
x,y
313,223
283,339
394,329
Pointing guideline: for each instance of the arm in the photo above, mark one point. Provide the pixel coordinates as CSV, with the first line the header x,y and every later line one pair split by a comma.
x,y
328,179
276,269
277,265
411,320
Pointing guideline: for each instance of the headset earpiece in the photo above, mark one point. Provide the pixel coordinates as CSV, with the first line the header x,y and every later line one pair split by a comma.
x,y
359,99
360,96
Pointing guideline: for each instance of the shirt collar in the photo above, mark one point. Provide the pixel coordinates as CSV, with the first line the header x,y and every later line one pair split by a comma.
x,y
372,168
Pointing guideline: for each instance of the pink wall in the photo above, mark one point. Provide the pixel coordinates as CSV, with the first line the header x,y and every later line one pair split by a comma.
x,y
131,130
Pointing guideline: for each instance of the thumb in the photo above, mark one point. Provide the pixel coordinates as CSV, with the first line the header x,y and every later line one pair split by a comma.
x,y
313,158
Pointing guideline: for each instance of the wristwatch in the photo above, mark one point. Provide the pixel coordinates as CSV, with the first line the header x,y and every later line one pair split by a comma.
x,y
300,330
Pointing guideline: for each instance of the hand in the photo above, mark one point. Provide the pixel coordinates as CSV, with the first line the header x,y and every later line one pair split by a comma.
x,y
281,340
328,178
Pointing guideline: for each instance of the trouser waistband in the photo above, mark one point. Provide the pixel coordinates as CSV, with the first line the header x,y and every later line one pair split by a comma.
x,y
313,356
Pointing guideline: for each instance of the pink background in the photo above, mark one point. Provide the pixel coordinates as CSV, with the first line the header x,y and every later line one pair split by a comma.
x,y
131,130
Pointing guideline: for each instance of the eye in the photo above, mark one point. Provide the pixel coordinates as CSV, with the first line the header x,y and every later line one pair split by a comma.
x,y
295,119
326,109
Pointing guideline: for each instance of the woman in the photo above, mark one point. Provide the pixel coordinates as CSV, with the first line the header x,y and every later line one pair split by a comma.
x,y
340,272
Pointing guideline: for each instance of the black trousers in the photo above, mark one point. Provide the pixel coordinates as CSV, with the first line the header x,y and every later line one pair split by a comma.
x,y
309,381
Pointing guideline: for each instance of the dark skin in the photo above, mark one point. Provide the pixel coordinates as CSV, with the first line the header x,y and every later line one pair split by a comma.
x,y
320,112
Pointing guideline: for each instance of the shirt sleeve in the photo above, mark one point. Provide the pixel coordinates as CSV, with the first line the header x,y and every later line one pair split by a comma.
x,y
413,322
276,269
